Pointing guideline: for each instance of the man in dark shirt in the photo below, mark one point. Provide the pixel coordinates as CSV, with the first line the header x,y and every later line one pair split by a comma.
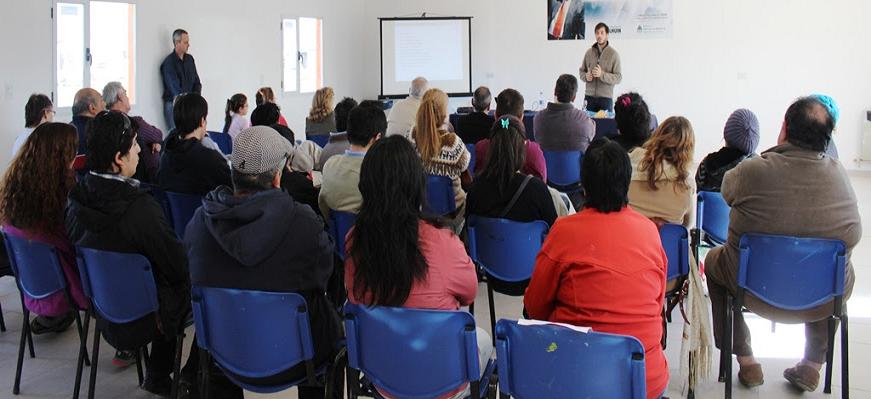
x,y
179,74
86,105
475,127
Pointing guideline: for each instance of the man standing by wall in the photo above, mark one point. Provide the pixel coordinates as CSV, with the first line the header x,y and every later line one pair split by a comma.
x,y
601,71
179,73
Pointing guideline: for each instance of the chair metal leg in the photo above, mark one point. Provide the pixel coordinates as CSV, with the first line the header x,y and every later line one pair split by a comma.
x,y
26,314
139,365
830,355
82,358
85,328
723,354
2,322
492,313
353,377
205,366
472,308
845,363
95,352
176,367
727,344
25,331
30,341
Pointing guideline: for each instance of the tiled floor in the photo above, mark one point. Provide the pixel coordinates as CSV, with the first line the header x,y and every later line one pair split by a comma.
x,y
51,374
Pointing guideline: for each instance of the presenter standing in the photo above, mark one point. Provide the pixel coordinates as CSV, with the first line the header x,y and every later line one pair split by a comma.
x,y
601,72
179,73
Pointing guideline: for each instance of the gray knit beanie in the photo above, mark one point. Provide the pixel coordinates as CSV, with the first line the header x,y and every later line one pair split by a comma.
x,y
742,131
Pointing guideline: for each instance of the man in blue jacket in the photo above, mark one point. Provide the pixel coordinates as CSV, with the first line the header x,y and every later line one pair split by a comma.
x,y
179,73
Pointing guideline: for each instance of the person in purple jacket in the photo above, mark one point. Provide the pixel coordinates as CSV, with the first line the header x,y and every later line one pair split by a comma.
x,y
150,137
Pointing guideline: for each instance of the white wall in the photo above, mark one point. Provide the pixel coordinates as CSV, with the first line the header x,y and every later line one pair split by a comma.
x,y
237,49
724,54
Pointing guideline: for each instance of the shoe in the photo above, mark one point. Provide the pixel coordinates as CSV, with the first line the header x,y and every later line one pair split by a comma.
x,y
803,377
124,359
751,376
45,324
160,386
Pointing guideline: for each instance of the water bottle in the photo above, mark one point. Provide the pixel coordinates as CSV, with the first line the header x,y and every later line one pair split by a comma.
x,y
540,104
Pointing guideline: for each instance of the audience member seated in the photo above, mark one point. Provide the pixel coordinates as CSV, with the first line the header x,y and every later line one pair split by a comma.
x,y
742,136
402,116
604,267
662,186
268,114
234,115
475,127
150,137
321,120
339,189
397,258
298,178
633,121
338,142
254,237
37,111
510,102
186,166
266,95
561,126
107,210
791,189
32,201
86,104
442,153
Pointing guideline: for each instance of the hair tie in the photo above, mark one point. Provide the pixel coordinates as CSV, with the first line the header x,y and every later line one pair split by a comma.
x,y
505,123
626,101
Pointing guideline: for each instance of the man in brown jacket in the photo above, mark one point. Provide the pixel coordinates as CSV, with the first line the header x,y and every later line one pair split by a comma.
x,y
601,71
792,189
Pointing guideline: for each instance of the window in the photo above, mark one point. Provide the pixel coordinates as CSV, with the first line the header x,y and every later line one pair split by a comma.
x,y
302,40
95,44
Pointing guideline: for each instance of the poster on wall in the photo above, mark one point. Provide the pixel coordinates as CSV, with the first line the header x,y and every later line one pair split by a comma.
x,y
627,19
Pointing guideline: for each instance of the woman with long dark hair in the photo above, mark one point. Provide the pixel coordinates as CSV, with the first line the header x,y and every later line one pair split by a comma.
x,y
395,256
633,121
32,201
234,115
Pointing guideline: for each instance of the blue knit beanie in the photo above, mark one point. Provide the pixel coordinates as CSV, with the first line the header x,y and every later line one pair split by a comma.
x,y
742,131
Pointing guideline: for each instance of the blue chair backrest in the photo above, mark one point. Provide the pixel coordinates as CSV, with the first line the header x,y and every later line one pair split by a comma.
x,y
504,248
120,285
412,353
181,209
563,167
792,273
712,215
675,242
319,139
253,334
223,140
471,149
440,195
550,361
340,223
35,265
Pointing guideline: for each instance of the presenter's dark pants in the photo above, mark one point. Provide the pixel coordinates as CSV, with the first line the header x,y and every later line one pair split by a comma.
x,y
596,104
167,113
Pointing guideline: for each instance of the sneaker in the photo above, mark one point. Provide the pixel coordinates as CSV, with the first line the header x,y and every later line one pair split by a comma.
x,y
45,324
160,386
124,359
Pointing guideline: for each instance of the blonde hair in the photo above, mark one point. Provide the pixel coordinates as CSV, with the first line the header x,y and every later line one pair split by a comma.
x,y
322,104
672,142
430,117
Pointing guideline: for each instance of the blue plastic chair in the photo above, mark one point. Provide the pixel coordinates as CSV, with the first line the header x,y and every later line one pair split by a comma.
x,y
675,242
471,149
439,195
505,250
792,274
253,334
564,170
181,210
38,274
319,139
551,361
223,140
121,289
340,223
413,353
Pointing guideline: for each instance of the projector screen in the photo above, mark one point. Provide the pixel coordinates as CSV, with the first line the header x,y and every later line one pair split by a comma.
x,y
437,48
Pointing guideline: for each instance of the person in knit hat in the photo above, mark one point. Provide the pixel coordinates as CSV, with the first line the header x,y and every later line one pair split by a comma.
x,y
741,134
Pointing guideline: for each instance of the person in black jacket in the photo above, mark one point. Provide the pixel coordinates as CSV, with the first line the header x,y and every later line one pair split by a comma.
x,y
107,210
256,237
475,127
186,166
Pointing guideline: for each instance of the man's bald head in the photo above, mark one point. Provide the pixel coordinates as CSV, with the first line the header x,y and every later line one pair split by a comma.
x,y
809,124
418,87
88,102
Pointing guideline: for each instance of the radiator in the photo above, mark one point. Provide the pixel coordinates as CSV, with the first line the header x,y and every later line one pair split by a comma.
x,y
865,155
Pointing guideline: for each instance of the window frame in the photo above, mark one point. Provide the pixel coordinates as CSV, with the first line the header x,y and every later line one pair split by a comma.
x,y
298,74
86,37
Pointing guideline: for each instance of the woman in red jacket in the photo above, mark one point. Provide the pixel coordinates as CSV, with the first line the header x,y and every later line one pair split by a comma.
x,y
605,267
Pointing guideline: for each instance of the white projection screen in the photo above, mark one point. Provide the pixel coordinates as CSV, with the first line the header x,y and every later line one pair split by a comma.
x,y
437,48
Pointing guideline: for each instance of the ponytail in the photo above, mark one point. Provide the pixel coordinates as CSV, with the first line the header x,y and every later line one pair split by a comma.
x,y
227,117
